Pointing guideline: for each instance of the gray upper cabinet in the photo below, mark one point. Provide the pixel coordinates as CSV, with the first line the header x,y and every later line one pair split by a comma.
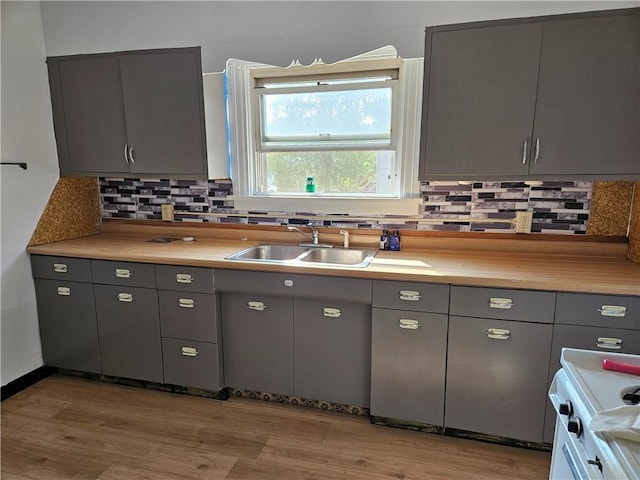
x,y
541,98
129,113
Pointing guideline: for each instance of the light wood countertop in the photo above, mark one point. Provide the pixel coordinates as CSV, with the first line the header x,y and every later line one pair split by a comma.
x,y
558,266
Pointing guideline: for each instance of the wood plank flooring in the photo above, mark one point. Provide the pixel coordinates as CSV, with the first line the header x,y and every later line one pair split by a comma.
x,y
72,428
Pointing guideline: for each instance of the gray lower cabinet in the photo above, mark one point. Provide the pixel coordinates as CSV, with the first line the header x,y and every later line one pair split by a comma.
x,y
332,342
258,342
66,312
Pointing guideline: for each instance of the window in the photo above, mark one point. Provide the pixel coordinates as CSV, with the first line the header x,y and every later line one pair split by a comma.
x,y
341,124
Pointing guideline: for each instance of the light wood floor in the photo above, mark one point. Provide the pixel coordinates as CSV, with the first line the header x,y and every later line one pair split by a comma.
x,y
71,428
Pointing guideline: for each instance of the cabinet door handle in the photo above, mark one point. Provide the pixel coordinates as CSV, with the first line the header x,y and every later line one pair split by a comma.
x,y
537,155
123,273
125,297
60,267
524,152
189,351
131,157
184,278
126,158
410,295
186,303
408,324
65,291
612,311
498,333
258,306
609,343
497,302
331,312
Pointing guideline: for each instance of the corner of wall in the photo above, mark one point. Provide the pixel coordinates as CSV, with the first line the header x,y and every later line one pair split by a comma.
x,y
634,226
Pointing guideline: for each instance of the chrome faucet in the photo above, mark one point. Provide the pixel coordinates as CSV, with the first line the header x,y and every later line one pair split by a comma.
x,y
314,234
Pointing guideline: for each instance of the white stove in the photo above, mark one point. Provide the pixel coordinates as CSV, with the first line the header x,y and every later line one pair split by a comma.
x,y
581,389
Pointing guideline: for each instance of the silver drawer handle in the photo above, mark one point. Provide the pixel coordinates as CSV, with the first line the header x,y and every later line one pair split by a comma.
x,y
60,267
498,302
126,158
66,291
186,302
609,343
331,312
410,295
184,278
524,152
189,351
498,333
258,306
612,311
408,324
123,273
125,297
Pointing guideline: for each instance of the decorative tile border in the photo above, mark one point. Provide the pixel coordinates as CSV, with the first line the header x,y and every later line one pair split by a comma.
x,y
558,207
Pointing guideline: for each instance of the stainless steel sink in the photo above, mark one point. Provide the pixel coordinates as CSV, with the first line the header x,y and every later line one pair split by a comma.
x,y
297,255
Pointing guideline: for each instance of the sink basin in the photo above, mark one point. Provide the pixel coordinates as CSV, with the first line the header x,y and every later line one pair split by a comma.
x,y
269,253
334,256
297,255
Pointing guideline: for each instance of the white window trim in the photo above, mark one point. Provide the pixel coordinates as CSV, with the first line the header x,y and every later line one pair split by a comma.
x,y
243,146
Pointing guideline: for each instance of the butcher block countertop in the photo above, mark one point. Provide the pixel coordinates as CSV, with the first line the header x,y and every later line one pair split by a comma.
x,y
557,265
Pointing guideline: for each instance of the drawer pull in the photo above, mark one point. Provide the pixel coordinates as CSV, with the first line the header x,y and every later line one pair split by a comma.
x,y
125,297
66,291
186,302
410,295
498,333
184,278
60,267
123,273
332,312
612,311
408,324
288,283
258,306
497,302
609,343
189,351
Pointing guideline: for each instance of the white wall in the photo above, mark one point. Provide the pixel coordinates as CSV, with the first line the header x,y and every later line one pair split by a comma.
x,y
27,136
272,32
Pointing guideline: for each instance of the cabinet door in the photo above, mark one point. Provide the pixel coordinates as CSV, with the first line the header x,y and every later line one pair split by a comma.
x,y
332,351
258,342
191,364
479,100
588,105
408,355
68,330
129,332
190,316
497,386
89,119
165,111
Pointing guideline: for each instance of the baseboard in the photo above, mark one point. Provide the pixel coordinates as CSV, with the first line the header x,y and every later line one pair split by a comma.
x,y
25,381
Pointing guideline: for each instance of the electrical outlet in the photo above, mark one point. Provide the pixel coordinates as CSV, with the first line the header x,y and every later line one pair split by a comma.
x,y
523,222
167,212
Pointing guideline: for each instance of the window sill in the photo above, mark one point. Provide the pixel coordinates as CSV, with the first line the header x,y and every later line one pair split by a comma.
x,y
328,205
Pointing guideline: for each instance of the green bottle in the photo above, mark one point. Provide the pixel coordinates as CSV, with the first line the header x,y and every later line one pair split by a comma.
x,y
311,185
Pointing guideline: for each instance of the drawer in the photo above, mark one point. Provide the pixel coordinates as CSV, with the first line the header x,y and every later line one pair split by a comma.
x,y
614,311
186,315
184,279
65,268
294,285
418,297
124,273
505,304
191,364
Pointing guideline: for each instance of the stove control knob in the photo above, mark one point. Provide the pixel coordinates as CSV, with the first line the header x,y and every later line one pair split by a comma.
x,y
566,409
575,426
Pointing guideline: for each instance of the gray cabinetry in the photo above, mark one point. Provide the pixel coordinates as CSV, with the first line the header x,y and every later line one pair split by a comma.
x,y
189,324
129,113
128,320
497,367
548,97
408,351
66,313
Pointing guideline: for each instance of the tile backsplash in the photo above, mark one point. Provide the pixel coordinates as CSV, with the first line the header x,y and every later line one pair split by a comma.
x,y
558,207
